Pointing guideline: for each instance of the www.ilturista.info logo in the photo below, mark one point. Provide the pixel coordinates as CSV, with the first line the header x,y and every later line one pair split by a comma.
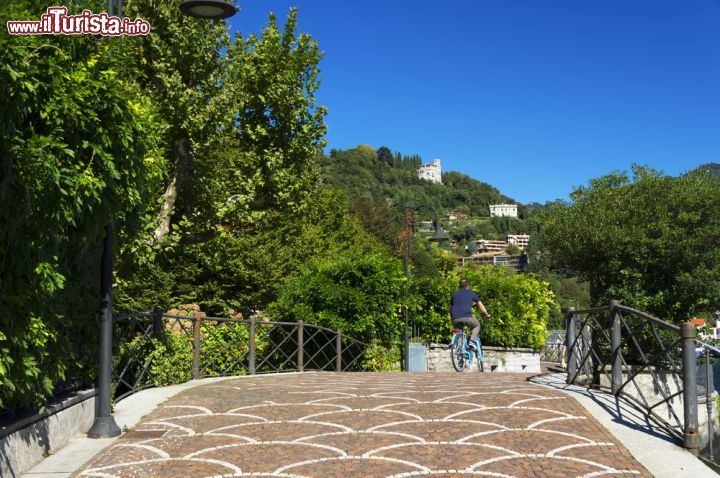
x,y
57,22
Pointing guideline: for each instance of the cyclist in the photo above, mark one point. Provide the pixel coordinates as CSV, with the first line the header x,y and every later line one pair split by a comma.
x,y
460,310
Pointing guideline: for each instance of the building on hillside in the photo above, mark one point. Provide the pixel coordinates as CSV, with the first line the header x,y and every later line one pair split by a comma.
x,y
520,240
519,263
431,172
486,245
503,210
455,215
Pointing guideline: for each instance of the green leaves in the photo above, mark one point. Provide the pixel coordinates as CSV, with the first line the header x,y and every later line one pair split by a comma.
x,y
71,158
650,241
50,279
519,304
357,294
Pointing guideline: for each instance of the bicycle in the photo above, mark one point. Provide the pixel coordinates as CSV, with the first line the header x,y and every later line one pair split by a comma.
x,y
461,353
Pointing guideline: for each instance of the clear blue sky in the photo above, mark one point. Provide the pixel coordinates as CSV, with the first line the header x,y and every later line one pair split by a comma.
x,y
532,96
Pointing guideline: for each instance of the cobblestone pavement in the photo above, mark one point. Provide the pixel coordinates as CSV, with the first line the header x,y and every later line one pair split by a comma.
x,y
368,425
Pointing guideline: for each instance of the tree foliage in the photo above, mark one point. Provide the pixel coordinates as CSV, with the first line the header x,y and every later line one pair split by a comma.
x,y
358,294
650,241
193,144
364,295
243,269
80,145
519,305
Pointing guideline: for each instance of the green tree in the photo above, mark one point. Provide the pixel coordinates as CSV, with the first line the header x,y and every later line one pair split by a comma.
x,y
81,145
379,219
385,156
252,133
245,190
182,68
513,250
647,241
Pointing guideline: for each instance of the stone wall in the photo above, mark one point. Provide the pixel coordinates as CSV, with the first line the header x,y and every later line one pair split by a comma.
x,y
26,442
497,359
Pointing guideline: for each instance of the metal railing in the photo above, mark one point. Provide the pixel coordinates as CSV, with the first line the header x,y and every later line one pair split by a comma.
x,y
648,361
554,347
200,347
706,379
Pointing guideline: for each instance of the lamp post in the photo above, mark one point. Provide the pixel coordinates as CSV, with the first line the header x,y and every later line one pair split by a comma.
x,y
438,236
104,425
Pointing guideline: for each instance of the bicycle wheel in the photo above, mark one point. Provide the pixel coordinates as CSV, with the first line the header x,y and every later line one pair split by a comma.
x,y
458,353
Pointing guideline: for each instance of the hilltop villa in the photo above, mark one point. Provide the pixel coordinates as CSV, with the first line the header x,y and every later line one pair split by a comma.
x,y
431,172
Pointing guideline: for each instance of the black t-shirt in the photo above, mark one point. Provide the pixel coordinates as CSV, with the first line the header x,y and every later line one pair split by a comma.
x,y
461,303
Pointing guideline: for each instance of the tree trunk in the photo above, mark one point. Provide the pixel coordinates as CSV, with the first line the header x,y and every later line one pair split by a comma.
x,y
182,168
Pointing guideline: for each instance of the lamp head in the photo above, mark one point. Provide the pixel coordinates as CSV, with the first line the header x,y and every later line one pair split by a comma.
x,y
439,235
208,9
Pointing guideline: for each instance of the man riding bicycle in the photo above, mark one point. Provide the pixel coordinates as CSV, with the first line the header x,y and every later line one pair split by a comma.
x,y
460,310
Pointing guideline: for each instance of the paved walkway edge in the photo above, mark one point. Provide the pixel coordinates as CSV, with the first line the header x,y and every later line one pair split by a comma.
x,y
658,454
128,413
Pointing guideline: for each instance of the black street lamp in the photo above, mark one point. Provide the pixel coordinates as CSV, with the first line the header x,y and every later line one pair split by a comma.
x,y
438,236
208,9
104,425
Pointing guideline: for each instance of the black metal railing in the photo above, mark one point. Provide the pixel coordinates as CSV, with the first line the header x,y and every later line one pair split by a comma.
x,y
155,348
648,361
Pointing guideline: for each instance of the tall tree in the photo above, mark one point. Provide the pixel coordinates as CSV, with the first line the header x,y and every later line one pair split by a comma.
x,y
249,188
182,67
385,156
650,241
279,128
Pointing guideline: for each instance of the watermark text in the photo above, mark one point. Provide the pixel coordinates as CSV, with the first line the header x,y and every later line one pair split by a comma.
x,y
56,21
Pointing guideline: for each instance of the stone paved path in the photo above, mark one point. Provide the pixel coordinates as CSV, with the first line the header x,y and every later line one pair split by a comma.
x,y
368,425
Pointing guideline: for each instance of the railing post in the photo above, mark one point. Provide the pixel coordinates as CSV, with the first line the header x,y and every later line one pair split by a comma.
x,y
301,347
587,344
196,346
157,325
689,364
709,401
570,339
615,347
251,346
338,352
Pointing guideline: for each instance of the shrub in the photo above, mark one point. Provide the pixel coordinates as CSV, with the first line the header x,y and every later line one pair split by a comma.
x,y
378,358
519,305
359,295
224,348
168,359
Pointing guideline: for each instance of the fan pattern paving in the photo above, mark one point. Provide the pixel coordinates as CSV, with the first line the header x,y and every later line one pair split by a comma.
x,y
368,425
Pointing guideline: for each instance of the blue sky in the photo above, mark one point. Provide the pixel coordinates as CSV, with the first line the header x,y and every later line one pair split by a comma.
x,y
532,96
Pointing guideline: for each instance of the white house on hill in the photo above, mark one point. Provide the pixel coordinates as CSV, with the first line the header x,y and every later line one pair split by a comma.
x,y
431,172
503,210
